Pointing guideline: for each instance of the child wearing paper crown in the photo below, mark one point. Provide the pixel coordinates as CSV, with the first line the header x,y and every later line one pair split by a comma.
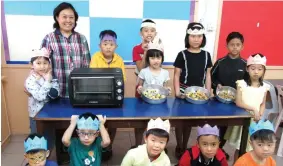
x,y
40,84
192,68
36,152
106,57
207,151
263,142
251,95
87,149
154,74
152,152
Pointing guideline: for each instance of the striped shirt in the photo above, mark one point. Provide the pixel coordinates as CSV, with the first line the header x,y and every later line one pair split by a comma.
x,y
66,54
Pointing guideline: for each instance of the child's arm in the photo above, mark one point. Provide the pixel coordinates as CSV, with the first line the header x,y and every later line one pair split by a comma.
x,y
208,79
262,105
177,73
38,92
140,85
214,75
137,59
243,105
93,63
66,139
123,69
103,132
185,159
128,160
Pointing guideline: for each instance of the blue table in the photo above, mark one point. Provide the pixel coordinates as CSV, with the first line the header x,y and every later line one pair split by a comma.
x,y
135,113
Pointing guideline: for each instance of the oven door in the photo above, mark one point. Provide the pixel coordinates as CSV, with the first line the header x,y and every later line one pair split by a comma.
x,y
93,90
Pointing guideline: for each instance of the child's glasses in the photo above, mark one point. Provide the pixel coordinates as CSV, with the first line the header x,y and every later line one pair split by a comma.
x,y
83,134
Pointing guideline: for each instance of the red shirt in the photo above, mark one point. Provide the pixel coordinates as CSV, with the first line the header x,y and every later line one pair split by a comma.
x,y
193,159
138,53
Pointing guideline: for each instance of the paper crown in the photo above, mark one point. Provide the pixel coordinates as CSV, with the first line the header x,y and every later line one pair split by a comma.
x,y
88,123
159,124
257,59
207,130
40,52
196,31
148,24
156,44
260,125
35,143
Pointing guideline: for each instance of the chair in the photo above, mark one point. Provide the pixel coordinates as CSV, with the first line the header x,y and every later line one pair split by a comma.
x,y
280,118
271,106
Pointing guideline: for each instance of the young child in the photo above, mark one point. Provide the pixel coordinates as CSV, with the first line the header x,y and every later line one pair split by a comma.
x,y
263,141
147,33
154,74
251,95
40,84
227,70
106,57
207,151
152,152
87,149
192,68
36,152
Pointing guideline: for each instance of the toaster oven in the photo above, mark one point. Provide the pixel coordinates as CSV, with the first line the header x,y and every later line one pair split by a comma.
x,y
96,87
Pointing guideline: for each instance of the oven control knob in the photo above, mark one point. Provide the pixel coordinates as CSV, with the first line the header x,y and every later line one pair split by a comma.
x,y
119,83
119,90
119,97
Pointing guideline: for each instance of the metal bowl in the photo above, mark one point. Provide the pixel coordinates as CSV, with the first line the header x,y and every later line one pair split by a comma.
x,y
160,90
229,90
194,89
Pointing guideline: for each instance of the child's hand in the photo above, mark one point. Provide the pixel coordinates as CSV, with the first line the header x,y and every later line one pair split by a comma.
x,y
169,90
139,89
48,75
180,95
256,116
145,46
219,86
101,119
74,119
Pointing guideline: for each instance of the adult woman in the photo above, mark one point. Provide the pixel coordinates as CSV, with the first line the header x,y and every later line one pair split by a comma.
x,y
69,49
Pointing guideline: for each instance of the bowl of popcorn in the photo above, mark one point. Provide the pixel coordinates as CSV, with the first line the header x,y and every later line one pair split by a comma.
x,y
197,95
154,94
226,94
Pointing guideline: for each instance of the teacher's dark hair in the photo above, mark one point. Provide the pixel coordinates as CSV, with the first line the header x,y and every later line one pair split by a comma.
x,y
59,8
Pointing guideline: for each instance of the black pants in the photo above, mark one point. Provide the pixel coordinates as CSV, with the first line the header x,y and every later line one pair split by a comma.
x,y
222,131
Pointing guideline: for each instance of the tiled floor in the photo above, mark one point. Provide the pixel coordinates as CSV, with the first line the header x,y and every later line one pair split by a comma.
x,y
13,153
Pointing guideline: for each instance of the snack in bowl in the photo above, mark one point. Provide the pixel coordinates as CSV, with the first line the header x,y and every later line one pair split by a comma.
x,y
153,94
197,95
227,95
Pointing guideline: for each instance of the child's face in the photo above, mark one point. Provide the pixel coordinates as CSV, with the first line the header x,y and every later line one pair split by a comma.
x,y
37,159
87,137
208,145
255,71
41,65
155,145
235,46
195,40
155,62
107,48
263,149
148,33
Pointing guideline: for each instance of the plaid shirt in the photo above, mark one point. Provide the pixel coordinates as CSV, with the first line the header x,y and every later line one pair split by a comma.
x,y
66,54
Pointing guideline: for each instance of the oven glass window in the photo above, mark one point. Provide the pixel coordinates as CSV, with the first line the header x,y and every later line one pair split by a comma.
x,y
93,88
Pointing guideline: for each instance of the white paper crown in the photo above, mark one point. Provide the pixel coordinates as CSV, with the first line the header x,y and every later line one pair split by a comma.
x,y
257,59
156,44
148,24
35,143
88,124
159,124
40,52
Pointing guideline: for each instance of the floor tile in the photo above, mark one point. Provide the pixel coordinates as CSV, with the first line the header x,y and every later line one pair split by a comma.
x,y
12,159
14,148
